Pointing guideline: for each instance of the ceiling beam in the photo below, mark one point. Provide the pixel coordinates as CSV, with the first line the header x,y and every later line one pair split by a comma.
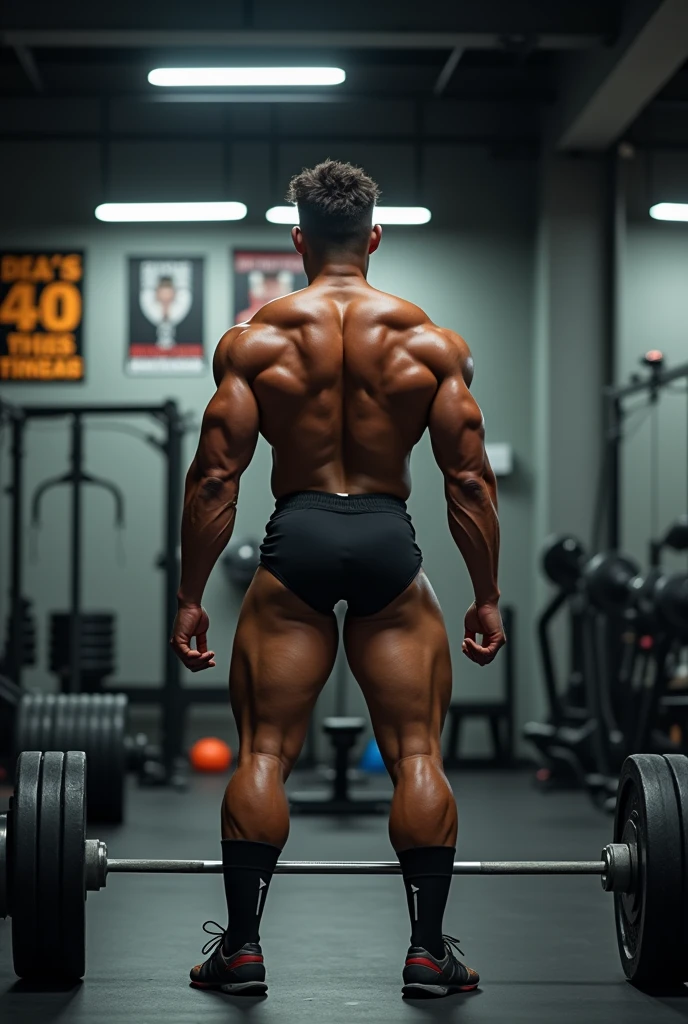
x,y
282,39
604,94
445,75
29,66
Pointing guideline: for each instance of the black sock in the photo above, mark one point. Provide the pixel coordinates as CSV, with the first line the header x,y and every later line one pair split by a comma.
x,y
247,868
427,872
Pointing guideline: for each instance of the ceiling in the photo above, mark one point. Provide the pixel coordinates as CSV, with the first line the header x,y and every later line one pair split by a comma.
x,y
502,73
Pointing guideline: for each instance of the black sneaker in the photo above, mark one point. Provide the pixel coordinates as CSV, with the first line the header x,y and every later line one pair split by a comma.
x,y
241,974
426,976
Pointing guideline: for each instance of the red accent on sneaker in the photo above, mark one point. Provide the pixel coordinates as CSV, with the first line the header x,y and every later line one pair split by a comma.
x,y
424,962
246,958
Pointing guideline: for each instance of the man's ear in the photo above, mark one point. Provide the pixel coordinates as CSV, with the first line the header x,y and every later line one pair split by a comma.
x,y
298,240
375,238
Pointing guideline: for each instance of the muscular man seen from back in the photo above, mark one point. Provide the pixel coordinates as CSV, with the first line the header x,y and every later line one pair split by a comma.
x,y
342,380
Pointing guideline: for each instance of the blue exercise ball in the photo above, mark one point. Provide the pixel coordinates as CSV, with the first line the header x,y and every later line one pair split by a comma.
x,y
371,761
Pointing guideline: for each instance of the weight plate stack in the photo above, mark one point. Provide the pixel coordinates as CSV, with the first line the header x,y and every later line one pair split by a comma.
x,y
28,633
46,835
678,766
650,918
93,722
96,645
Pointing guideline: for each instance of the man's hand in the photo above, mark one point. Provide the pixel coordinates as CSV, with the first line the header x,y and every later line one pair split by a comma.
x,y
192,621
486,620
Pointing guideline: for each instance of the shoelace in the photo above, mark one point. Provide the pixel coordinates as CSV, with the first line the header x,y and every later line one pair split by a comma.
x,y
451,943
216,940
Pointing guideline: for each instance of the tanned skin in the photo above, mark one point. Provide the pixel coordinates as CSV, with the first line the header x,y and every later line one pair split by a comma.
x,y
342,380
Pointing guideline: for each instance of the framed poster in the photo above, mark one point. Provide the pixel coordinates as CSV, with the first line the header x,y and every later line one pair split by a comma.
x,y
41,312
261,276
165,316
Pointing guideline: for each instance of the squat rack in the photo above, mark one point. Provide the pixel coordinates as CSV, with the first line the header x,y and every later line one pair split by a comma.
x,y
172,697
615,415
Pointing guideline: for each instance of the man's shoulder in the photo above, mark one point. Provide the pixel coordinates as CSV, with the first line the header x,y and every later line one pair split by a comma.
x,y
243,349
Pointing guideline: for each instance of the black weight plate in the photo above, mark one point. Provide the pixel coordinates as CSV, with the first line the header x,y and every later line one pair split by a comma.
x,y
61,718
37,722
49,866
82,740
72,951
34,722
22,727
108,799
24,839
678,766
91,646
66,736
649,923
94,754
89,632
118,764
110,809
60,620
47,723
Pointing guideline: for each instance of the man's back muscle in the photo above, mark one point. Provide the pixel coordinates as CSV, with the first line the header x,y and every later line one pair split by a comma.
x,y
344,377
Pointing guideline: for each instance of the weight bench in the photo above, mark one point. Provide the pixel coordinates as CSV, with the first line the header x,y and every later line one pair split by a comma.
x,y
342,733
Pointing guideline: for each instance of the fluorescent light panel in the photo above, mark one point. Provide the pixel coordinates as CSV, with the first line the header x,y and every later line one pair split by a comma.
x,y
669,211
246,76
381,215
170,211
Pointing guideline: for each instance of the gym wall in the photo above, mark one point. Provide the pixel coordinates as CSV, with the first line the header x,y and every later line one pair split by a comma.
x,y
471,270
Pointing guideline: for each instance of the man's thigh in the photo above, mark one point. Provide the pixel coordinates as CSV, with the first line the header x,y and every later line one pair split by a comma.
x,y
283,655
400,657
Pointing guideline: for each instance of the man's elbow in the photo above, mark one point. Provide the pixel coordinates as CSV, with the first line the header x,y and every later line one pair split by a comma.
x,y
218,486
469,487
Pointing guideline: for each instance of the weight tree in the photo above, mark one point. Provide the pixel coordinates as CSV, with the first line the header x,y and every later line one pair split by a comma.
x,y
172,698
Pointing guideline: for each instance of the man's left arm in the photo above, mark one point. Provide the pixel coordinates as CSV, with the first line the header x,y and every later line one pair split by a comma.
x,y
229,434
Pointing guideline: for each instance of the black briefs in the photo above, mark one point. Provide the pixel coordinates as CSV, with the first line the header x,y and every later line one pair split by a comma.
x,y
327,548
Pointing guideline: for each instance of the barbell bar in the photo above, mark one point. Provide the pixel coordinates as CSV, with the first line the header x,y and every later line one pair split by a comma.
x,y
367,867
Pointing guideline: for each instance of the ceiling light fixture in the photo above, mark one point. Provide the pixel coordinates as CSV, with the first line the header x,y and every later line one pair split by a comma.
x,y
246,76
381,215
148,212
669,211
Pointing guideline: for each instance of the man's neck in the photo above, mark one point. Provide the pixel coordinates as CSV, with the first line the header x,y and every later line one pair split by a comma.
x,y
337,269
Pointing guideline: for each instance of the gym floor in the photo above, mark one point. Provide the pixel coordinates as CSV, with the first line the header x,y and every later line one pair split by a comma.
x,y
334,945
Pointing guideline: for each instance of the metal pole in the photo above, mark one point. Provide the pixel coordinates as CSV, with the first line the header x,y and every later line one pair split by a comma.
x,y
74,682
373,867
16,651
614,428
174,707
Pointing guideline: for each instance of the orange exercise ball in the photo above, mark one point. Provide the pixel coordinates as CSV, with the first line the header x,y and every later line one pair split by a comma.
x,y
210,755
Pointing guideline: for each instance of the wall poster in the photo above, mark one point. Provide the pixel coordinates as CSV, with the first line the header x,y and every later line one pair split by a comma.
x,y
165,317
261,276
41,312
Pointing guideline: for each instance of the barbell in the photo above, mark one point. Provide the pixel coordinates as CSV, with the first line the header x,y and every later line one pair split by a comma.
x,y
47,866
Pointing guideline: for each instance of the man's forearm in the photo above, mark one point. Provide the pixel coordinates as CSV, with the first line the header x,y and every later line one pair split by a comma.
x,y
207,525
474,525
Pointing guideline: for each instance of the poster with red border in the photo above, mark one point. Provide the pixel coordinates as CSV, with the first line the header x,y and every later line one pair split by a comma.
x,y
264,275
165,317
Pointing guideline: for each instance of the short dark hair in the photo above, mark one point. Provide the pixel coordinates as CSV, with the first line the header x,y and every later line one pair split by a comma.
x,y
335,201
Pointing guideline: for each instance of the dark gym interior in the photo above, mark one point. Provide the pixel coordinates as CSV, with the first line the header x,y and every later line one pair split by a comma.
x,y
533,166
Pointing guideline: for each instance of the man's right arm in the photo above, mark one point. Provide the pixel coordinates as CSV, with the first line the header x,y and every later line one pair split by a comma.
x,y
457,434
